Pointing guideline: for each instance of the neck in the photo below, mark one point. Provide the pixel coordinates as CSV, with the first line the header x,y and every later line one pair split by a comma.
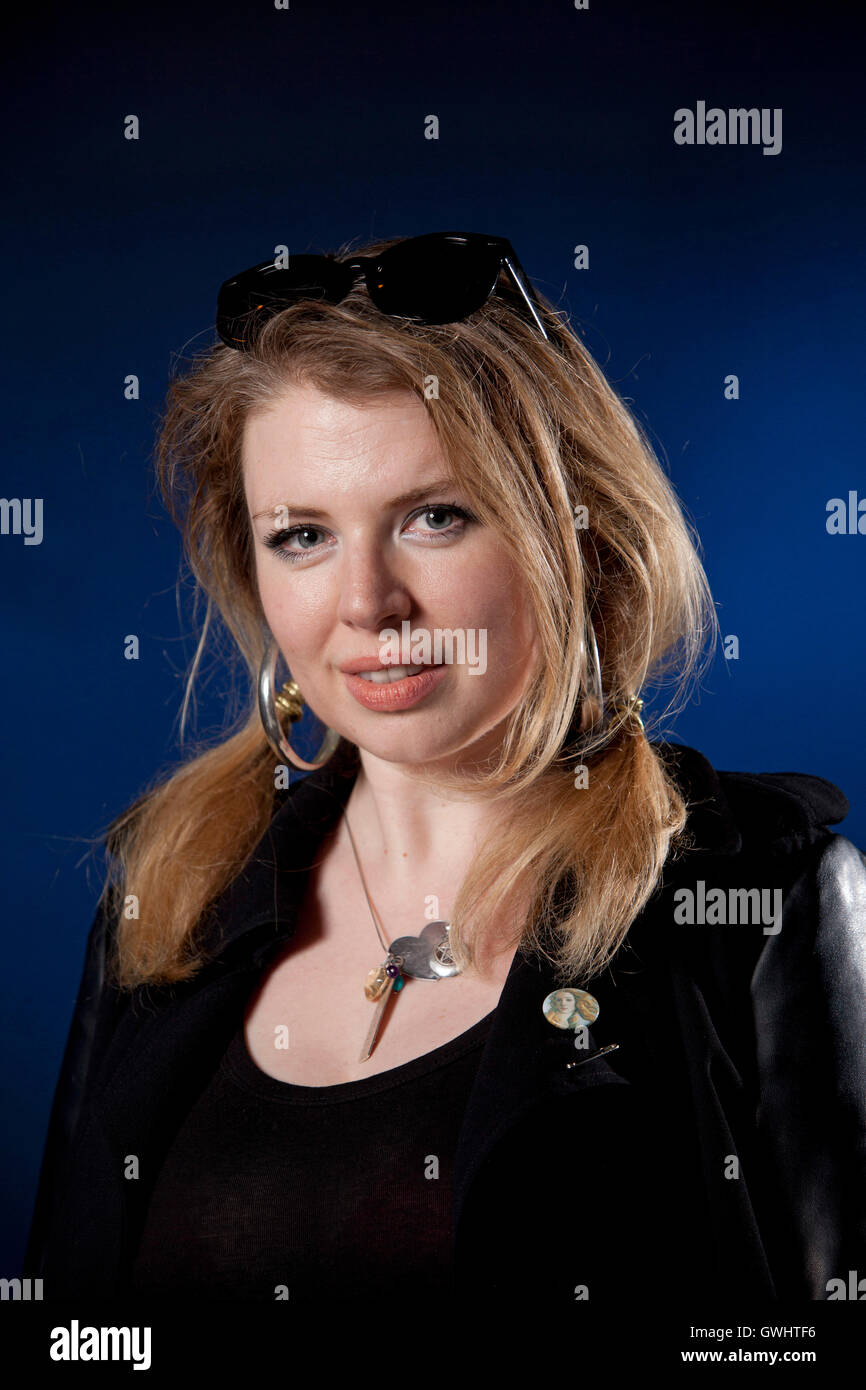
x,y
416,845
404,828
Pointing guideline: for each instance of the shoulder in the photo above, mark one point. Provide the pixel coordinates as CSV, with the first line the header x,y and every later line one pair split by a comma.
x,y
766,905
740,813
760,876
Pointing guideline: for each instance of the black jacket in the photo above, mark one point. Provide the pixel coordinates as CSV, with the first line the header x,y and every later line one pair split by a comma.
x,y
721,1149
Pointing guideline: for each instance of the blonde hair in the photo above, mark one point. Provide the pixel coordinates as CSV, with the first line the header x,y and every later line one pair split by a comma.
x,y
532,431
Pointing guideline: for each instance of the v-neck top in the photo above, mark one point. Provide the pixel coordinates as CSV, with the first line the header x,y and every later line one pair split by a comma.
x,y
273,1191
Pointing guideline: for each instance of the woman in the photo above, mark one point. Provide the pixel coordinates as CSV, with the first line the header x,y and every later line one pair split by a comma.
x,y
316,1053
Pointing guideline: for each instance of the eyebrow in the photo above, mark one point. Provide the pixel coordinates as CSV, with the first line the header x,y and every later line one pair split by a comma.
x,y
416,494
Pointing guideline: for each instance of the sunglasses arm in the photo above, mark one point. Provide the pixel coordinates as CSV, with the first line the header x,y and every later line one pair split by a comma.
x,y
515,270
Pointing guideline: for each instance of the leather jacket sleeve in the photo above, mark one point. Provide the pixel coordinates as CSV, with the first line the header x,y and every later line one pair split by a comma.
x,y
69,1093
809,1000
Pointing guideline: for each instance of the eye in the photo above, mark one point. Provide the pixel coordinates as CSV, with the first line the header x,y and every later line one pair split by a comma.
x,y
278,541
434,515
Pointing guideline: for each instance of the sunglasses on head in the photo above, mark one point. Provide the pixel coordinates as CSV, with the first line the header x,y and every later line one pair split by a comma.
x,y
441,277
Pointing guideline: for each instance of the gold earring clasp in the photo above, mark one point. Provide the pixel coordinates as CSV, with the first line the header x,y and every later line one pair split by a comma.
x,y
629,710
290,701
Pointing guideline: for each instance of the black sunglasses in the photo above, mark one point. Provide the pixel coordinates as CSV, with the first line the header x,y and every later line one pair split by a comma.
x,y
441,277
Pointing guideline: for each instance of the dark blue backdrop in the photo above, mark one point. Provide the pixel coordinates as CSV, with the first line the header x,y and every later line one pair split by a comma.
x,y
305,126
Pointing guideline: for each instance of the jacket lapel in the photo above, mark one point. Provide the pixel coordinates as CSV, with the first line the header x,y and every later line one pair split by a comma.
x,y
524,1064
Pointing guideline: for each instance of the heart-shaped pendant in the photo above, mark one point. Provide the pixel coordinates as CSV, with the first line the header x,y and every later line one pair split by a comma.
x,y
422,957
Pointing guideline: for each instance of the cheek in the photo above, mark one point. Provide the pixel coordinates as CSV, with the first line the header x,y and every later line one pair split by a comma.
x,y
273,595
500,607
294,611
505,611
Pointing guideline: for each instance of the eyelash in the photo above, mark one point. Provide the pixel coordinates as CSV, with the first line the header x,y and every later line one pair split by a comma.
x,y
276,540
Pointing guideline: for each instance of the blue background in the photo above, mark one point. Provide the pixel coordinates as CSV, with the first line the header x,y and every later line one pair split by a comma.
x,y
306,127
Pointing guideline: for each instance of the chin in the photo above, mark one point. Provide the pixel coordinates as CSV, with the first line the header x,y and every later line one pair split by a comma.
x,y
403,748
418,747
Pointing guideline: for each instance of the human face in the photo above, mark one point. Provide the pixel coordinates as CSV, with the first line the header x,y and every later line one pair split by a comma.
x,y
363,561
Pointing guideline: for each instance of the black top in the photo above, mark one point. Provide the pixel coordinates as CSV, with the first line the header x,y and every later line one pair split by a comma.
x,y
272,1190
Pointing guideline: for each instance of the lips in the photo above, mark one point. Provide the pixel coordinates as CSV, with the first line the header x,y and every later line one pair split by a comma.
x,y
372,669
386,675
387,689
373,662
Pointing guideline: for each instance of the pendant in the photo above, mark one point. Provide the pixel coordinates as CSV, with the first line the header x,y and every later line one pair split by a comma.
x,y
390,973
426,956
376,982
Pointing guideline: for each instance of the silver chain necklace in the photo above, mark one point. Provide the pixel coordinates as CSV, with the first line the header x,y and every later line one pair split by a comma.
x,y
423,957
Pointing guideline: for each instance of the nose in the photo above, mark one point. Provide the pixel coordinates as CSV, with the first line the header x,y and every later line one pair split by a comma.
x,y
372,593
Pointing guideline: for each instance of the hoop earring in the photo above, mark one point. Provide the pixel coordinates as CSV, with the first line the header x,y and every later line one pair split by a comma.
x,y
291,702
613,713
595,686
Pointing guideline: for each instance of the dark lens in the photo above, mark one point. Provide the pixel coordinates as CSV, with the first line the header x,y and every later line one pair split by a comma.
x,y
246,301
434,280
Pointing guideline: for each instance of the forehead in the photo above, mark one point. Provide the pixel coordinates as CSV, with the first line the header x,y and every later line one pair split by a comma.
x,y
308,420
305,436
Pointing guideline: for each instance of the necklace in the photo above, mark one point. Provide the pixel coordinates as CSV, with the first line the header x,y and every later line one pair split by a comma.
x,y
423,957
